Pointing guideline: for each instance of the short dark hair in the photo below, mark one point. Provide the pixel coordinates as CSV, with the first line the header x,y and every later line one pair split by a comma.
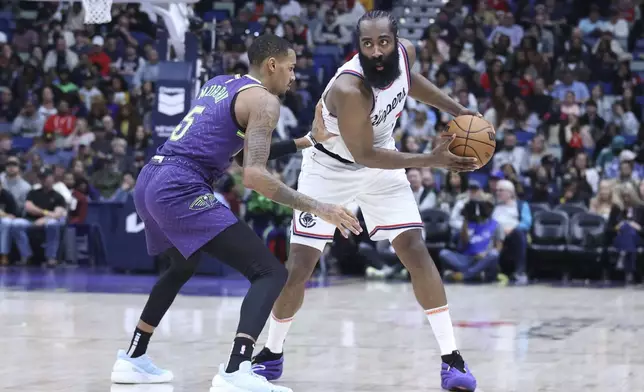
x,y
265,46
379,14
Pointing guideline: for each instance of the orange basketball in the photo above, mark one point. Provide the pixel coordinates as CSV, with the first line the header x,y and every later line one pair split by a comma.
x,y
475,138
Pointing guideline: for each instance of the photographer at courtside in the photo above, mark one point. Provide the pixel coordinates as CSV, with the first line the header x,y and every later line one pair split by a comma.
x,y
479,245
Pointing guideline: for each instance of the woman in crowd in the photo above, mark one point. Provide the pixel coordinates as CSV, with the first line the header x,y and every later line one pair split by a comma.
x,y
624,227
602,203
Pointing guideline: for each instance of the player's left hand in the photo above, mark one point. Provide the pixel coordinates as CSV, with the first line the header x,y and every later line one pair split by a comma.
x,y
318,129
466,111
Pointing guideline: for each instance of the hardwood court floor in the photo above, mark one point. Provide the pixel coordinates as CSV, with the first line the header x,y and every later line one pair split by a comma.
x,y
355,336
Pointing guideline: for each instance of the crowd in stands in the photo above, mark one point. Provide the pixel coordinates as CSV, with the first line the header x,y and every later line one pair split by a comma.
x,y
558,80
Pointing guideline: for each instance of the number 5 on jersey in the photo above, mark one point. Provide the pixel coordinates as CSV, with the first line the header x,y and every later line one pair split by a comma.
x,y
187,121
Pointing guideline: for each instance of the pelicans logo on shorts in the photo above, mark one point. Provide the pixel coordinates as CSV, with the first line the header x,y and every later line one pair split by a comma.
x,y
203,202
307,220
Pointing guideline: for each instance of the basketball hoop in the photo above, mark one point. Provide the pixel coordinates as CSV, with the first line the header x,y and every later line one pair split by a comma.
x,y
97,11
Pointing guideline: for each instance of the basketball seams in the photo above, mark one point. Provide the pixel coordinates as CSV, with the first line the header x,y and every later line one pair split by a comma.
x,y
475,152
476,140
467,137
460,148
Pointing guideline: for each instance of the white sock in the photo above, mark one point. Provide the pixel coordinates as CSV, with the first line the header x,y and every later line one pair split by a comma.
x,y
441,324
277,331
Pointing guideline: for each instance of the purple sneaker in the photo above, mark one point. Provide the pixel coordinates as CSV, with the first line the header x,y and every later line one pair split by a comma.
x,y
268,364
455,376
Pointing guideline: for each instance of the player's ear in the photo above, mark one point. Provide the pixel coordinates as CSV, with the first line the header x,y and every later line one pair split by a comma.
x,y
272,64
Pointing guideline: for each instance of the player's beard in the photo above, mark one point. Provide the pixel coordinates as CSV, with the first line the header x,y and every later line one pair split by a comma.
x,y
381,78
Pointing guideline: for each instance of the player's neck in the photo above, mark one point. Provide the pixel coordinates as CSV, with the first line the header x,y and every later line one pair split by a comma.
x,y
256,75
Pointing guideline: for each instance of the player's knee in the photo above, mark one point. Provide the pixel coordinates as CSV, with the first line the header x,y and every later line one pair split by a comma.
x,y
182,271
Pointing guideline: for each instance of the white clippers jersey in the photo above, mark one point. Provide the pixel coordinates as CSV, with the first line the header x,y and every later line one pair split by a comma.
x,y
388,106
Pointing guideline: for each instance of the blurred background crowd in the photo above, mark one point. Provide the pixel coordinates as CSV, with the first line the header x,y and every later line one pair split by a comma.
x,y
559,80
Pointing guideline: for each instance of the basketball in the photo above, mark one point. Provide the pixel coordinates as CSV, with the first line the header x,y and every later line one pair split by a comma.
x,y
475,138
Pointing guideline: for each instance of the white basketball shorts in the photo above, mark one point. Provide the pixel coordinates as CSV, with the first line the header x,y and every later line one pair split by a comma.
x,y
384,196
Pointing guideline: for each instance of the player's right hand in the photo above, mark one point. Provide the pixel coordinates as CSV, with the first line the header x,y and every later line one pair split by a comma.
x,y
442,157
318,129
341,218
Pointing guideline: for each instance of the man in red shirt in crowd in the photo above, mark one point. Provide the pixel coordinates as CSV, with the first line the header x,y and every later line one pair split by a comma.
x,y
61,123
97,55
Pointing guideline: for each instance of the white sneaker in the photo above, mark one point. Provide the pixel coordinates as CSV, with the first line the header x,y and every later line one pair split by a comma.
x,y
139,370
243,380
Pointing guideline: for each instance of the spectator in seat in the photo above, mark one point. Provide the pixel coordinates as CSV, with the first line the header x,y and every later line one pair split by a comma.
x,y
107,178
510,153
616,25
130,63
480,239
89,92
543,188
602,203
625,120
624,227
9,108
50,154
533,157
98,57
592,25
8,213
568,83
125,190
474,192
515,218
608,159
425,197
47,105
150,70
330,32
64,84
79,202
592,119
29,122
44,208
61,124
455,184
12,181
509,29
60,56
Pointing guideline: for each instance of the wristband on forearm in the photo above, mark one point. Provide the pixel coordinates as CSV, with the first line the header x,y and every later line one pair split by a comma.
x,y
282,148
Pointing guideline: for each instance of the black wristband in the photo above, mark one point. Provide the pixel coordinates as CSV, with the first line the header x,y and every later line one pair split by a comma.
x,y
282,148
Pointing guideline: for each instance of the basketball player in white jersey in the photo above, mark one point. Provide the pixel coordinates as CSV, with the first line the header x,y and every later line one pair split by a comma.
x,y
361,104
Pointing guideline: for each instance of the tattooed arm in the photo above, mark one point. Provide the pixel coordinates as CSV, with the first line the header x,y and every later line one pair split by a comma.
x,y
262,119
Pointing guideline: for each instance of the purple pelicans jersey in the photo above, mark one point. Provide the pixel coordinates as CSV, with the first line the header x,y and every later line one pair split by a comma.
x,y
209,134
173,194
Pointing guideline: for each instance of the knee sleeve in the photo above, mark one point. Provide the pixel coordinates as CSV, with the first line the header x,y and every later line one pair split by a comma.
x,y
239,247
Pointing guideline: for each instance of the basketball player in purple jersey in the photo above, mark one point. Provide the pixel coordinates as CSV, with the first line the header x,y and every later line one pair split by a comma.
x,y
174,198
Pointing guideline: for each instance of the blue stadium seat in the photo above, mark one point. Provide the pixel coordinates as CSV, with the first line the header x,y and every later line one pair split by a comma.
x,y
140,37
638,54
22,143
328,50
630,139
255,27
217,15
608,88
481,178
5,127
523,137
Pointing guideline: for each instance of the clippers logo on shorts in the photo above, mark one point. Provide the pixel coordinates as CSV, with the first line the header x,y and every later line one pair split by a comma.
x,y
307,220
171,100
203,202
381,116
